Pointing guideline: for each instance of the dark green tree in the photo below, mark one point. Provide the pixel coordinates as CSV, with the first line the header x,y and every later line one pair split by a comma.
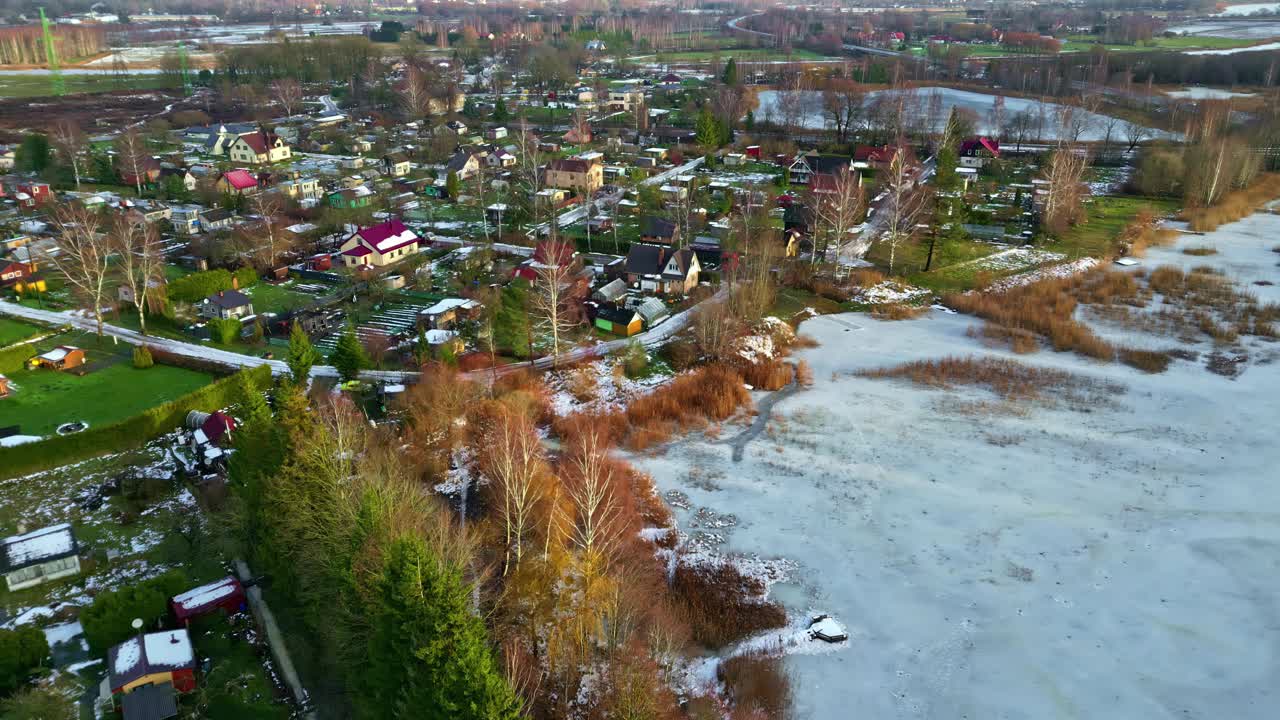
x,y
301,354
33,154
349,356
21,651
109,620
452,186
945,176
730,76
428,655
500,113
708,131
511,323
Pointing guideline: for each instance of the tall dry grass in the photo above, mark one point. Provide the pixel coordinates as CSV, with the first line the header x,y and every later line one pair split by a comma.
x,y
1235,205
758,686
773,374
1009,379
1045,308
722,605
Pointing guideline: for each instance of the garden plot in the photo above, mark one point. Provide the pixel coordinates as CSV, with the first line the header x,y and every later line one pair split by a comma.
x,y
1107,555
389,321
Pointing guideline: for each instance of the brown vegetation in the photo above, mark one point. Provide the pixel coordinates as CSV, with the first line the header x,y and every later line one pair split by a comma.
x,y
723,606
1199,251
758,685
1235,205
897,311
772,374
1007,378
1141,233
1045,308
711,393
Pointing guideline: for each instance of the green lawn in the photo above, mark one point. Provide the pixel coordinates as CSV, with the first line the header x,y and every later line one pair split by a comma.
x,y
790,301
276,298
12,331
41,400
1105,217
1084,43
39,85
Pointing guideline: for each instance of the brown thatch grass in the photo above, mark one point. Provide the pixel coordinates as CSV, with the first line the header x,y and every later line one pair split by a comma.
x,y
1235,205
1045,308
1009,379
1146,360
768,375
897,311
758,686
1199,251
723,606
712,393
1141,233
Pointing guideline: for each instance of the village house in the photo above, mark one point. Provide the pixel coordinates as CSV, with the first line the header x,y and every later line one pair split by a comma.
x,y
380,245
159,658
882,156
185,219
216,219
184,176
301,188
626,98
804,167
237,182
63,357
12,273
396,164
221,596
661,270
618,321
583,176
447,313
464,163
217,139
259,148
39,556
147,172
978,151
659,231
350,198
226,304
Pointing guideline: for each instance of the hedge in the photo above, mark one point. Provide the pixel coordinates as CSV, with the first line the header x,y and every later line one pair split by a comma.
x,y
13,359
128,433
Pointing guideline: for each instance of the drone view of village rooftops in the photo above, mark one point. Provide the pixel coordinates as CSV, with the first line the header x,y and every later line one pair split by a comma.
x,y
639,360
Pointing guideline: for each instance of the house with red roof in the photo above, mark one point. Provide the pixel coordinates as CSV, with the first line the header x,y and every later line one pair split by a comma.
x,y
976,151
379,245
237,182
222,596
259,148
882,156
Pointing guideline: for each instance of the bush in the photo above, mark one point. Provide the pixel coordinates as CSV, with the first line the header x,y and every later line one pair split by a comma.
x,y
768,375
681,354
130,432
1145,360
897,311
22,651
1200,251
142,357
224,331
109,620
635,359
714,392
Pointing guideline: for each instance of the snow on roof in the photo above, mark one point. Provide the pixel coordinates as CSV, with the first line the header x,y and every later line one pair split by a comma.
x,y
128,655
205,595
829,629
168,649
438,337
449,304
38,546
388,236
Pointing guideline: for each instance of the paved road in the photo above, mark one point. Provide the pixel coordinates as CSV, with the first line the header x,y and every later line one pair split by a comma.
x,y
649,338
733,25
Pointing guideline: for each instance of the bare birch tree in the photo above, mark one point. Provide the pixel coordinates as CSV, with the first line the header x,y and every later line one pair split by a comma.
x,y
288,93
141,262
837,213
415,94
904,203
69,139
265,242
552,297
1065,192
81,254
596,509
513,462
132,156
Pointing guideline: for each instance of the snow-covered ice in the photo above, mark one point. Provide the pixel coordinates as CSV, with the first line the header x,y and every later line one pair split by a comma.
x,y
1034,561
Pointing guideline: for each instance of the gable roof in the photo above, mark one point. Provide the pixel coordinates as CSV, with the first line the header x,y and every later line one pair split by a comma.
x,y
570,165
684,259
257,142
973,145
654,226
240,179
38,546
158,652
645,259
150,702
229,299
617,315
387,236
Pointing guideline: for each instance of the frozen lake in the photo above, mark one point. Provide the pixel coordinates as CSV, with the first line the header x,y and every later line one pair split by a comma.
x,y
1240,29
1117,563
978,103
1249,9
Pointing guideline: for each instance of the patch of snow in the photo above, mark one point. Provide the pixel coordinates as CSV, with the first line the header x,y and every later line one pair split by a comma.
x,y
890,292
171,648
63,633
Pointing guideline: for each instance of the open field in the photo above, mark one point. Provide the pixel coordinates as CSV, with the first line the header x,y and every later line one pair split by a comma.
x,y
1106,216
36,86
1139,553
112,390
12,331
740,54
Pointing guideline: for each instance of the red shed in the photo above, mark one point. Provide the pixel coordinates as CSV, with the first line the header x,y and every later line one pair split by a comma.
x,y
226,595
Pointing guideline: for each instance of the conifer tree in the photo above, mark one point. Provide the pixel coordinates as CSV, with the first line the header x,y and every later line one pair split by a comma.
x,y
302,354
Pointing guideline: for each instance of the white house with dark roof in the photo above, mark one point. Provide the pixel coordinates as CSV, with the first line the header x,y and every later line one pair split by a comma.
x,y
226,304
36,557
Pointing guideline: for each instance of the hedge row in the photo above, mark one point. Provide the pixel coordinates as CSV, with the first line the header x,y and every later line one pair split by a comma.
x,y
12,359
128,433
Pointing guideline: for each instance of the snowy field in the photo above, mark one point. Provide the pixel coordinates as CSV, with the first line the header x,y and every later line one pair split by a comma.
x,y
1239,29
1204,93
1249,9
978,103
1117,557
